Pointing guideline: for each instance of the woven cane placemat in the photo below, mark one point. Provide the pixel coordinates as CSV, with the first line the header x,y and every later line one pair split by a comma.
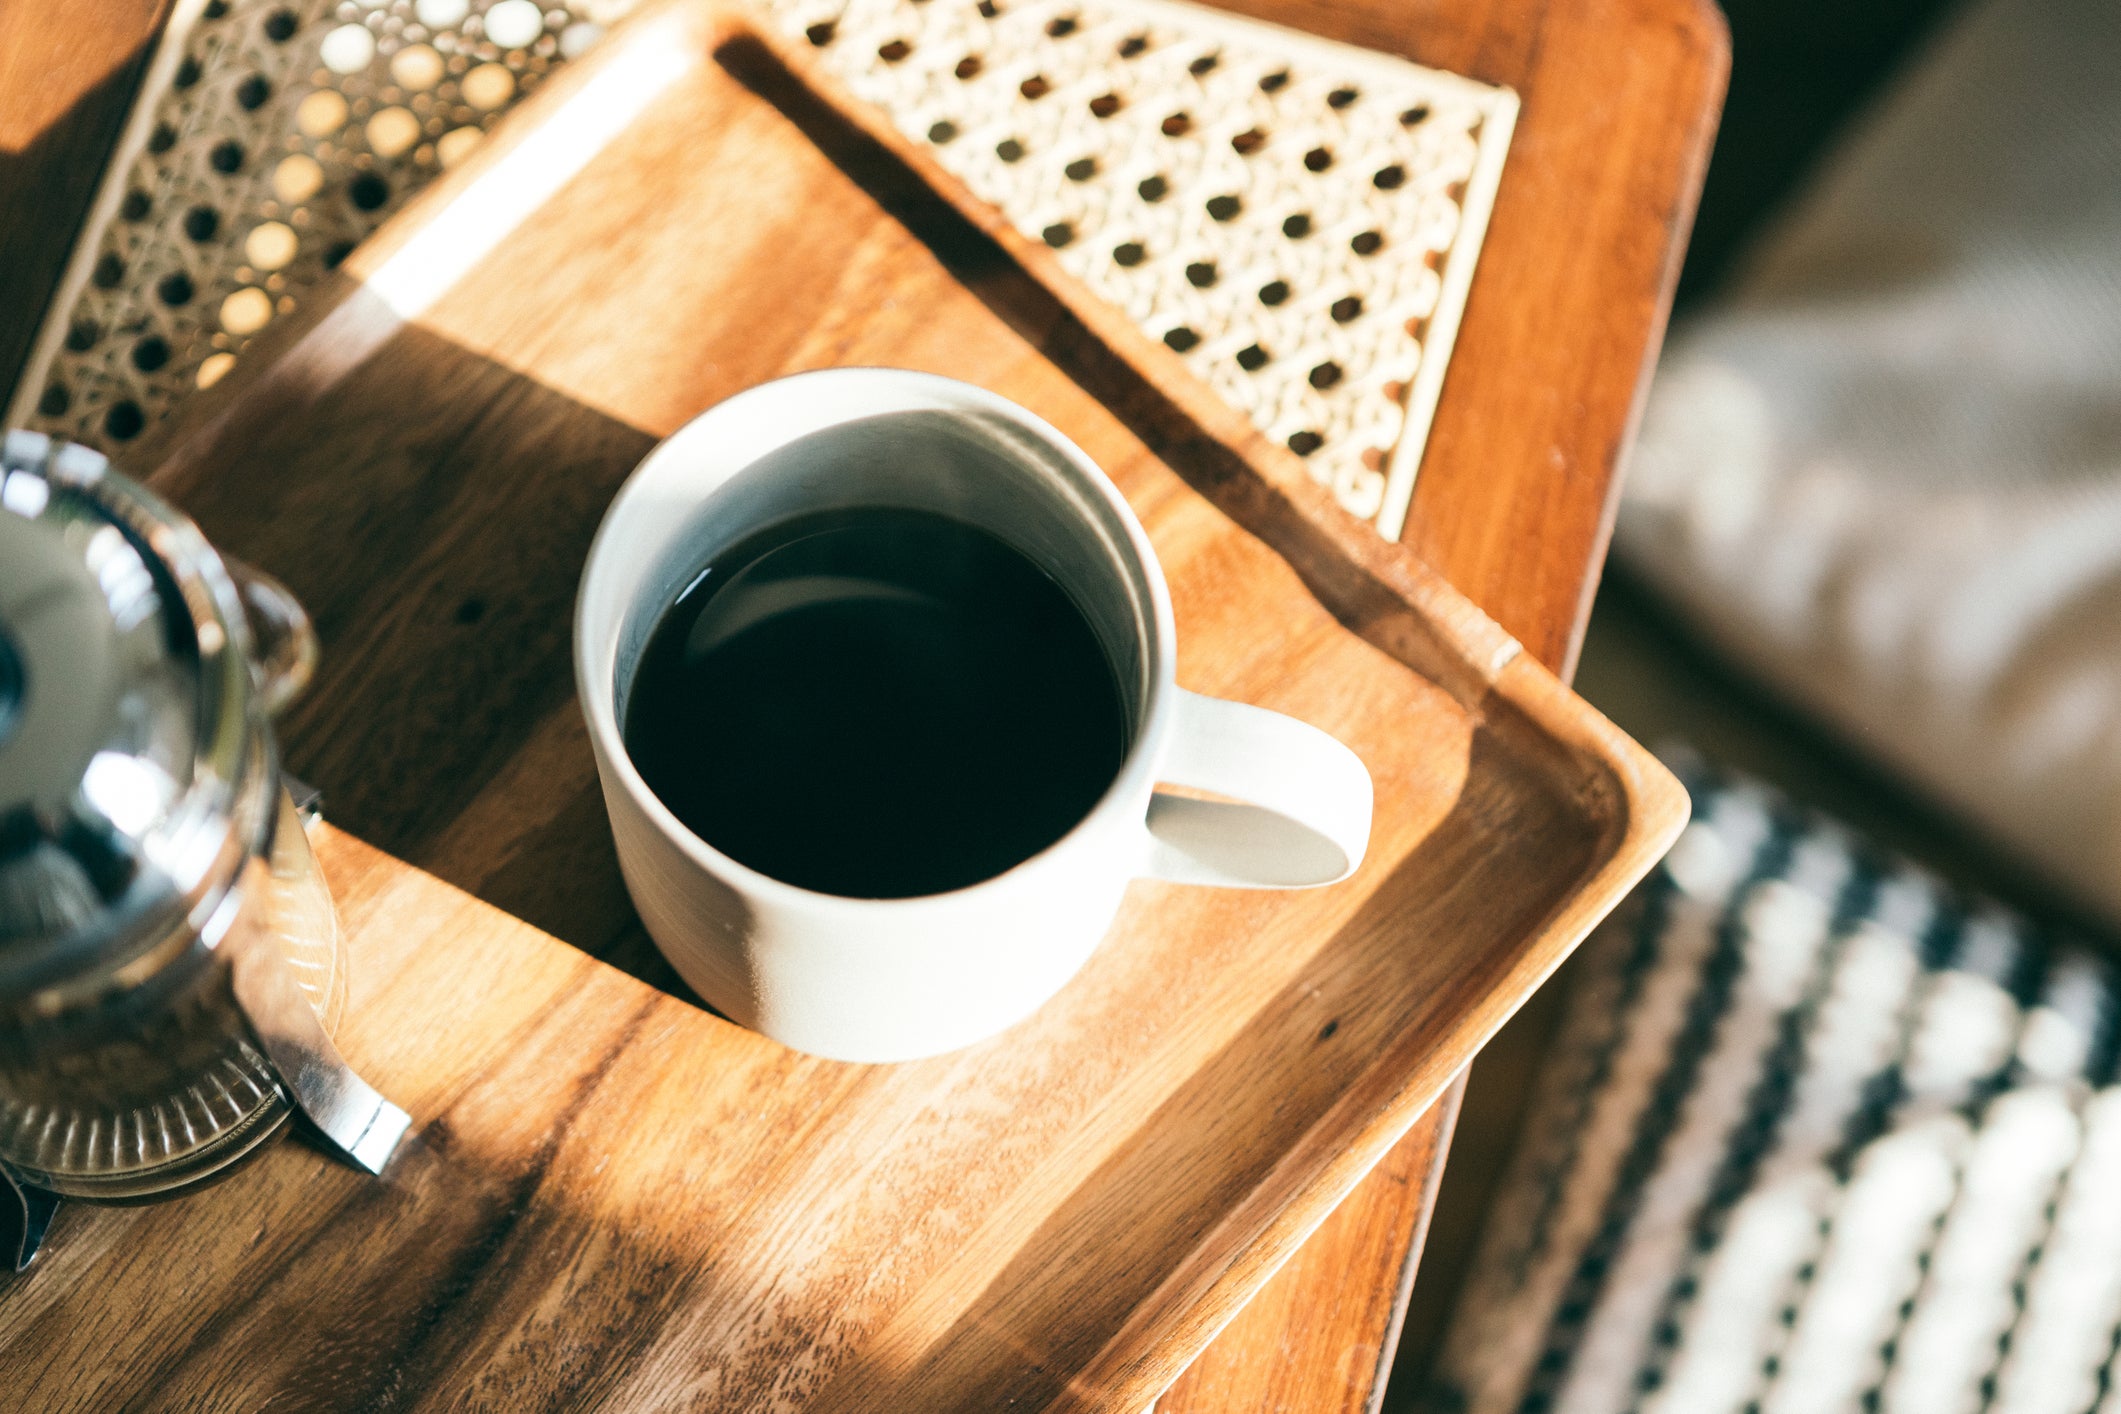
x,y
269,138
1299,219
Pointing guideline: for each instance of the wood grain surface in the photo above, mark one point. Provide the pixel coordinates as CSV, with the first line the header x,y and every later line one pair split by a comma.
x,y
623,1202
1320,1336
1591,91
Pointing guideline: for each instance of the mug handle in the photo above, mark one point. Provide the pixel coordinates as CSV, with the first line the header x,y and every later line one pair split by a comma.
x,y
1304,819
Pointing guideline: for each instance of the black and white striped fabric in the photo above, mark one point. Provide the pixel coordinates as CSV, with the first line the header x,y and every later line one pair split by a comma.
x,y
1817,1134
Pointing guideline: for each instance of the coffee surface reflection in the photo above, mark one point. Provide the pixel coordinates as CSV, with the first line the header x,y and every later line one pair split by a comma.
x,y
876,703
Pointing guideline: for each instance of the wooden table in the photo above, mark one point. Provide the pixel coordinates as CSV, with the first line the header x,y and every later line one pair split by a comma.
x,y
1515,501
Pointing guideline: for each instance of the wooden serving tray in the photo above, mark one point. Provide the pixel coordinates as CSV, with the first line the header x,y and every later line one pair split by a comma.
x,y
617,1200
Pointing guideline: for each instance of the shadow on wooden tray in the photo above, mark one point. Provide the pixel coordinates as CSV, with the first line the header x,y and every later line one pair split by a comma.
x,y
435,509
440,564
441,567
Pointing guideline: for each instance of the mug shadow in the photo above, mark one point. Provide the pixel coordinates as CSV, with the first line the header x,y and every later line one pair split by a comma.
x,y
434,518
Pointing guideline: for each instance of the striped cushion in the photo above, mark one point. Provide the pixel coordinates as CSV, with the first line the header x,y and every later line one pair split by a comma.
x,y
1816,1134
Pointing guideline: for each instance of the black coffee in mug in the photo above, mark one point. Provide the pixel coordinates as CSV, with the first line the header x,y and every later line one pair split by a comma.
x,y
877,703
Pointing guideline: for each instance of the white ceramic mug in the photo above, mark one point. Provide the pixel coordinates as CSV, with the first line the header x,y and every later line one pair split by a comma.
x,y
893,979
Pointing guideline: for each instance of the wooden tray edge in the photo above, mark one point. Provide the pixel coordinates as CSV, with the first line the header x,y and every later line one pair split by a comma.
x,y
1643,807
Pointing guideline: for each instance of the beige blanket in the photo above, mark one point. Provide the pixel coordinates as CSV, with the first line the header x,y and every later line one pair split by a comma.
x,y
1884,472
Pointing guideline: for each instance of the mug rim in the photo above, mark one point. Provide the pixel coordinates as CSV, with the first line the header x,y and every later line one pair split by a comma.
x,y
924,392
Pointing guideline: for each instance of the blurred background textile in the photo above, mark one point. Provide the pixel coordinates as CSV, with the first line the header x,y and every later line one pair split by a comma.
x,y
1882,470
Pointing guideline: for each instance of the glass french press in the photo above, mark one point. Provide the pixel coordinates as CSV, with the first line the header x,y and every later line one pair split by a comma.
x,y
170,967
